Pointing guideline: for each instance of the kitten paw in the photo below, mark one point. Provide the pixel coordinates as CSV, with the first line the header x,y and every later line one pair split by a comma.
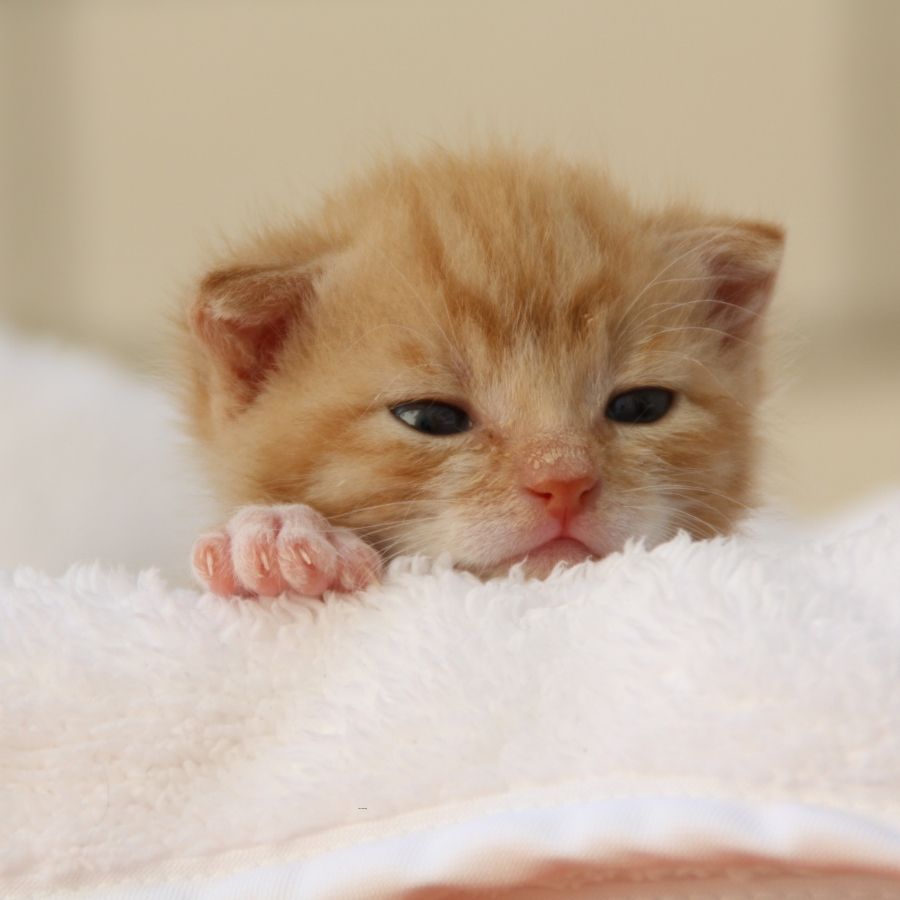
x,y
264,551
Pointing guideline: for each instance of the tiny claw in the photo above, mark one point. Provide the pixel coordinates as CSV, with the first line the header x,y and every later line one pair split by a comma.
x,y
305,556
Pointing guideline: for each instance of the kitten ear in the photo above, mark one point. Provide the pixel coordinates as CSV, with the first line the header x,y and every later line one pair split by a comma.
x,y
742,260
242,317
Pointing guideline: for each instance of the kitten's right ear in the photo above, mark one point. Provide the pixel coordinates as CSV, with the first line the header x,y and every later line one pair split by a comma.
x,y
242,316
741,260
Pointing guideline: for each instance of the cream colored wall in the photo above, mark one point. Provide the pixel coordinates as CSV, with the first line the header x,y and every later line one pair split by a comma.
x,y
134,132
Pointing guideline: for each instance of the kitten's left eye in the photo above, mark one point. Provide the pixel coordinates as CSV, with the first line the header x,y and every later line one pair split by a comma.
x,y
432,417
640,405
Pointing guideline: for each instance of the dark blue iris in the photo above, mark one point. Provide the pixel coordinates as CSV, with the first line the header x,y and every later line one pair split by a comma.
x,y
640,406
433,417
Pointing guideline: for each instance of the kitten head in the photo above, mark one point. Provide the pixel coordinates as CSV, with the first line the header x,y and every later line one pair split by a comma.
x,y
494,356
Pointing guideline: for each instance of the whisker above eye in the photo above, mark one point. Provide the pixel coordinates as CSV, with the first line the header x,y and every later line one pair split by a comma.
x,y
707,301
675,329
692,248
682,309
715,376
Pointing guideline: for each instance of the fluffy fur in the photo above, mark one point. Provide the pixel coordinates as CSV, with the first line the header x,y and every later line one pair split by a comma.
x,y
525,291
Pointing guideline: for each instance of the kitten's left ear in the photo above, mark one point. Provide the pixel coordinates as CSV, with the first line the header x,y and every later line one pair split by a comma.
x,y
742,260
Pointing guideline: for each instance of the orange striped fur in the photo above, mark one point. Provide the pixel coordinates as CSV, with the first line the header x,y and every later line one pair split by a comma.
x,y
521,288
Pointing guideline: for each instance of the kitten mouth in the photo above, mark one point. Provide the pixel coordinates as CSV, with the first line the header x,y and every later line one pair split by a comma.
x,y
541,560
561,549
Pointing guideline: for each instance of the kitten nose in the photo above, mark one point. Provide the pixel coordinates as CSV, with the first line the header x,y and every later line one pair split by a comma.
x,y
563,496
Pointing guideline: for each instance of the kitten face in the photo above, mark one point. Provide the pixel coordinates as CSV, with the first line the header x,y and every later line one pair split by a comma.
x,y
522,296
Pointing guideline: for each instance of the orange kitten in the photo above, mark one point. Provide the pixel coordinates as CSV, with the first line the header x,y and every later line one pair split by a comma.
x,y
494,356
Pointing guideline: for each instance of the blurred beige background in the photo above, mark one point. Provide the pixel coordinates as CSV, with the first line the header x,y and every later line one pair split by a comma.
x,y
135,133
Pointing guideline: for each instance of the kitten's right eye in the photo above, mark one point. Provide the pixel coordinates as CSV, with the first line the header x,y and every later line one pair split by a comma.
x,y
433,417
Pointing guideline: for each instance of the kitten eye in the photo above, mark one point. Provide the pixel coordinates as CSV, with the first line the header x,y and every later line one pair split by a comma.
x,y
640,405
432,417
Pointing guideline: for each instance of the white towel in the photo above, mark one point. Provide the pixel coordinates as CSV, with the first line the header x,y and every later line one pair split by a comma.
x,y
693,712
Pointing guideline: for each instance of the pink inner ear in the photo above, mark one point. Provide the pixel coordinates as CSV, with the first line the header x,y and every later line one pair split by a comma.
x,y
243,317
248,351
740,301
743,267
268,341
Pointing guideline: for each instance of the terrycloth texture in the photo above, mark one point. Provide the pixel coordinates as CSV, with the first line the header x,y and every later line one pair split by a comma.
x,y
664,715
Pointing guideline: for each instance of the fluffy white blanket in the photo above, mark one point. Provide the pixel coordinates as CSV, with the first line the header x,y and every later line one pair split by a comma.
x,y
698,709
717,719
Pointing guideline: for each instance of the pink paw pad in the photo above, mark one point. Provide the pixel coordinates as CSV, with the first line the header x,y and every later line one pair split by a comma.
x,y
211,564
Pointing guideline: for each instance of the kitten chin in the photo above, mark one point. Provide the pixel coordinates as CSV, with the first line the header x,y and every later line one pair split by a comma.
x,y
496,356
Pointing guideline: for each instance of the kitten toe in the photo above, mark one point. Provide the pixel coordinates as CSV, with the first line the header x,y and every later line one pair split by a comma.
x,y
359,565
211,564
254,551
306,558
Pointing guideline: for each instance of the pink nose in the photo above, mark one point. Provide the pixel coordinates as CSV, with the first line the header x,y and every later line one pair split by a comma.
x,y
563,496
